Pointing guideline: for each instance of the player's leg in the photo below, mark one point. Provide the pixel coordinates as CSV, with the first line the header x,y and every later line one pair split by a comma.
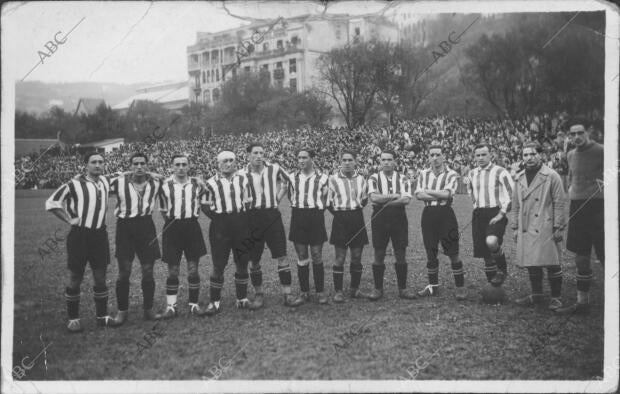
x,y
303,269
536,282
318,272
380,239
338,273
499,259
76,263
221,245
148,290
242,278
99,257
554,276
193,284
479,223
355,270
172,288
172,251
430,238
122,290
257,245
148,252
459,276
450,244
399,234
194,248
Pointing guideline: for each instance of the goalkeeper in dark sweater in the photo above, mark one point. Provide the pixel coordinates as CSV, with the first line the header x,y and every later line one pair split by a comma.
x,y
586,225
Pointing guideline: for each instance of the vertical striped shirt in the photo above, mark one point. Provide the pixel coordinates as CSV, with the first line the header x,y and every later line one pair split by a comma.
x,y
396,183
347,193
181,200
308,191
446,180
491,187
229,195
130,201
264,185
83,198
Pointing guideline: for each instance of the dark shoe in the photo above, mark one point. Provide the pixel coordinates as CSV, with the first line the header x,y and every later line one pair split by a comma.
x,y
407,295
170,313
74,326
461,293
120,318
498,279
339,297
196,310
555,303
213,308
429,291
257,303
322,298
357,293
375,294
577,309
292,301
106,321
150,315
529,300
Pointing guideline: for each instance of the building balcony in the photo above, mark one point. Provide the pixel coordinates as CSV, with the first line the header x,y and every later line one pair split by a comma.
x,y
257,55
193,66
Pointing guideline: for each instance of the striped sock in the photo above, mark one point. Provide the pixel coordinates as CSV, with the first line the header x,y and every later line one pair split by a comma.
x,y
256,276
148,292
377,275
172,289
122,294
338,277
432,267
101,300
500,260
215,288
401,275
284,273
356,275
554,276
241,285
458,273
536,279
490,269
73,302
584,277
303,272
194,288
318,273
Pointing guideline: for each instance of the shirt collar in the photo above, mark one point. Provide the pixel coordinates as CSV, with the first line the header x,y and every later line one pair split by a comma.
x,y
342,175
219,176
488,167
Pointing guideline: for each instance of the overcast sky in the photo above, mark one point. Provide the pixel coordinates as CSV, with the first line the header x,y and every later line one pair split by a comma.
x,y
127,42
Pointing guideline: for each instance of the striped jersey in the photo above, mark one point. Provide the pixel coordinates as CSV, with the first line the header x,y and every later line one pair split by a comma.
x,y
446,180
347,193
83,198
308,191
491,187
229,195
181,200
264,185
132,202
383,184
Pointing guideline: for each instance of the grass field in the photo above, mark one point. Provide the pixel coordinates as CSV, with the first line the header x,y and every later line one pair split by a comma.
x,y
448,339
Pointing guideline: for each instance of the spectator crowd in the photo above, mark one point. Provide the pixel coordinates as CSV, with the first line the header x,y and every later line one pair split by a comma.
x,y
408,138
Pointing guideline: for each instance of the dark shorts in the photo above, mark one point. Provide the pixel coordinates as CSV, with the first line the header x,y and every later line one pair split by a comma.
x,y
481,228
86,245
182,236
266,227
389,224
439,225
308,226
586,228
349,229
230,232
137,236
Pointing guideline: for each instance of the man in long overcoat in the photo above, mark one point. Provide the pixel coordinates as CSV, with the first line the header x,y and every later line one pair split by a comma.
x,y
537,221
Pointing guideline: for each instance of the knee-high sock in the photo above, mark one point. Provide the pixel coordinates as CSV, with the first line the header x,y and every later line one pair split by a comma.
x,y
536,279
303,273
73,302
101,300
377,274
172,289
338,277
241,285
318,273
148,292
554,276
432,267
215,288
458,272
584,278
401,275
256,275
356,275
490,269
194,288
284,273
122,294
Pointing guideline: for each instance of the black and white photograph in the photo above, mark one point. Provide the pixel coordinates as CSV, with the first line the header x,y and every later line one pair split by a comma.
x,y
310,196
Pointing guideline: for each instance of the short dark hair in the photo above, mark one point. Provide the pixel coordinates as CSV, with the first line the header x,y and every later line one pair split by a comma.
x,y
138,154
435,146
88,155
348,152
311,152
533,144
178,155
578,120
254,145
389,152
482,145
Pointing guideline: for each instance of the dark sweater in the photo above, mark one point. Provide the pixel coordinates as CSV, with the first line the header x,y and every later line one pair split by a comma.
x,y
530,174
585,166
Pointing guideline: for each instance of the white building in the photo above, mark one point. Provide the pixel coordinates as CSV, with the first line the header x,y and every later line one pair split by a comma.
x,y
288,50
172,96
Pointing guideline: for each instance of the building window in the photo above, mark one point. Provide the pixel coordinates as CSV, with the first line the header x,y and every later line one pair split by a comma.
x,y
197,81
292,66
293,85
295,41
280,44
338,34
216,94
265,46
208,76
217,75
205,97
357,31
246,69
279,65
279,83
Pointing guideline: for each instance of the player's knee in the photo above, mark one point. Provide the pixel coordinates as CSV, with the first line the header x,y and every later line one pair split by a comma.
x,y
399,255
455,259
583,264
173,271
492,243
147,271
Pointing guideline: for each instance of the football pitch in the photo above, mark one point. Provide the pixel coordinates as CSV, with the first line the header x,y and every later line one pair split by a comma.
x,y
431,338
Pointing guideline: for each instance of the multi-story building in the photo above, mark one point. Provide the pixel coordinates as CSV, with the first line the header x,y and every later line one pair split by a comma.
x,y
286,49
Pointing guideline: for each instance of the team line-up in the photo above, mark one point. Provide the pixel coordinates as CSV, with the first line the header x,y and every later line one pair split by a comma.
x,y
242,205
